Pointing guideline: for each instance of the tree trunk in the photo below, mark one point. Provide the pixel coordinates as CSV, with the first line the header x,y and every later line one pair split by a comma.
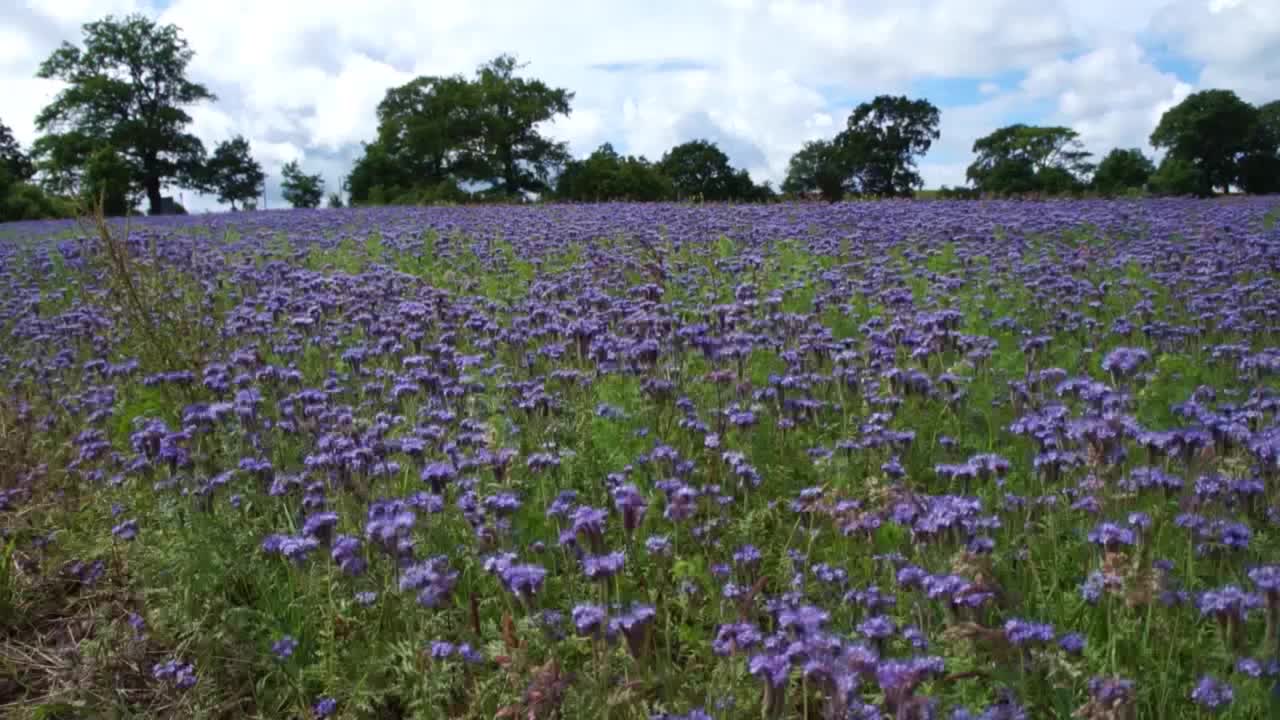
x,y
154,200
509,172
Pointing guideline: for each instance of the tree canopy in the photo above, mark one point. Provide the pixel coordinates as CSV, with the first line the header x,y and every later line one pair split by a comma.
x,y
882,140
1027,158
875,155
435,133
1260,168
817,167
233,174
126,89
300,189
606,175
1123,171
1213,130
13,160
699,169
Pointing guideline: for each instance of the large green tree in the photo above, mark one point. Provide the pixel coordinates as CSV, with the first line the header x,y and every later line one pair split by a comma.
x,y
1214,130
300,189
1260,167
20,199
818,167
1176,176
606,175
1123,170
874,155
700,169
514,156
882,140
126,89
107,183
427,132
1027,158
13,160
435,133
232,173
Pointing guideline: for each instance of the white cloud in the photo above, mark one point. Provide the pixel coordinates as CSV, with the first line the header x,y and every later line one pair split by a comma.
x,y
301,80
1112,96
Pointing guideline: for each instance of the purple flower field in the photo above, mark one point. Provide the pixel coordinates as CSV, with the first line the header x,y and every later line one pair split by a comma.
x,y
904,460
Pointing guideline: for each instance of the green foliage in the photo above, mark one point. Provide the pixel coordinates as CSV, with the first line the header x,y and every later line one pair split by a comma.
x,y
1020,159
25,201
107,180
335,200
816,167
126,89
1214,131
1122,171
232,173
437,132
699,170
882,140
13,161
606,175
957,193
1260,168
875,155
512,154
300,189
1176,176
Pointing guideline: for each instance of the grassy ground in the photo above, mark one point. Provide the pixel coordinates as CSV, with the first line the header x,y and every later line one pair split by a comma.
x,y
770,429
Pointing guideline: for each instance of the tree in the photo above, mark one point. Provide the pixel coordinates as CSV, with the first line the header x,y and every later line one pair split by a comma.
x,y
1260,167
699,169
1213,130
818,167
233,174
882,140
512,155
300,189
107,181
126,89
1026,158
13,160
437,132
605,175
427,130
1122,170
335,201
1176,176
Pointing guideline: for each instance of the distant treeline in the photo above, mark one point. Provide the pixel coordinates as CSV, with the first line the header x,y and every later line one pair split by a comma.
x,y
117,134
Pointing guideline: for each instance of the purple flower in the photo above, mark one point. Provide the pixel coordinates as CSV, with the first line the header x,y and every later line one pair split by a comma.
x,y
877,628
284,647
181,675
126,530
1250,667
588,619
773,669
1212,694
1111,536
1073,643
1228,601
1021,632
323,707
658,545
1123,361
1266,578
523,581
632,505
603,567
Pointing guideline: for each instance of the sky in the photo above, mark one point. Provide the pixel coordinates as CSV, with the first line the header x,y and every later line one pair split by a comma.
x,y
301,78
